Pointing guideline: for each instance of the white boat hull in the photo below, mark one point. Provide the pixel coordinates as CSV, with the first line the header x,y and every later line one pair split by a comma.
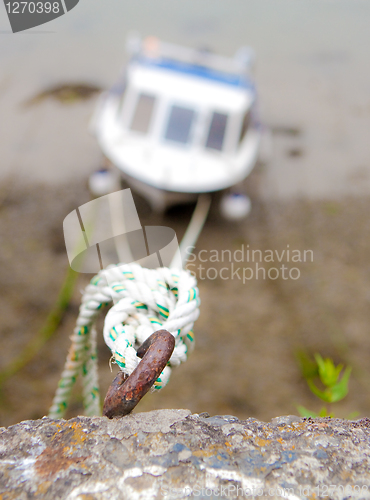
x,y
212,144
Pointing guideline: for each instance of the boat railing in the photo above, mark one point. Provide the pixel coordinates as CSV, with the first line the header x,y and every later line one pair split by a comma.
x,y
152,47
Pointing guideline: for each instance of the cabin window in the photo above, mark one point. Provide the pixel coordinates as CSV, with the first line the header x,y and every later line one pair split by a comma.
x,y
245,125
120,91
179,124
216,132
143,113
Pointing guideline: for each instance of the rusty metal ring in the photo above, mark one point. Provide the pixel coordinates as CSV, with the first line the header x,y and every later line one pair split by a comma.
x,y
125,391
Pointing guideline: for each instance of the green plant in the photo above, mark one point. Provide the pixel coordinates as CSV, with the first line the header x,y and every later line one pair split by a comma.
x,y
335,385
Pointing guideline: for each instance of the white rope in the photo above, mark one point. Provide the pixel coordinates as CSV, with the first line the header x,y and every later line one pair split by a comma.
x,y
150,300
146,300
195,226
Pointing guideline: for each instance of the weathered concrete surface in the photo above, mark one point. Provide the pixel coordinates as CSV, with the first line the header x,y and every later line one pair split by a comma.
x,y
173,454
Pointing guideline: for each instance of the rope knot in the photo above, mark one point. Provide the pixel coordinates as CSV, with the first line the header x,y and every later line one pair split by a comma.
x,y
148,300
145,300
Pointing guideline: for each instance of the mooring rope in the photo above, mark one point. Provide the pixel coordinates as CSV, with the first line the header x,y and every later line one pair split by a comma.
x,y
145,300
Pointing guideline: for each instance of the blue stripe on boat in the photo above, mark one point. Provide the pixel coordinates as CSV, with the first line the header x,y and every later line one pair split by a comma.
x,y
199,71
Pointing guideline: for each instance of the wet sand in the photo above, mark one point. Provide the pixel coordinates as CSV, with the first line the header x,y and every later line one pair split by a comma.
x,y
247,334
313,78
311,71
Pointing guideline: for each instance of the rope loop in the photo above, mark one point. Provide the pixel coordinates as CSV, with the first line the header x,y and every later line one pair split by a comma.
x,y
149,300
145,300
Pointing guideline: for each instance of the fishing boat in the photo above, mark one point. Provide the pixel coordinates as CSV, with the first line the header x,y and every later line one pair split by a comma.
x,y
181,122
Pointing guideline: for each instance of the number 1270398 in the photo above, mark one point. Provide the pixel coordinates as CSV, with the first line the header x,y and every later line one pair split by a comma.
x,y
33,7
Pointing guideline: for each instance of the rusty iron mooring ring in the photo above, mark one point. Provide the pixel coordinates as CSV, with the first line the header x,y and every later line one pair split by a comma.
x,y
125,392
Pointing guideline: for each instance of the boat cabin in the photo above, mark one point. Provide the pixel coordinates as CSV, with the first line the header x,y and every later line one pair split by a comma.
x,y
184,120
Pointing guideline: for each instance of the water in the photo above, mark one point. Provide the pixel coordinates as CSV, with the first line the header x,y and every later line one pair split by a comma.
x,y
312,73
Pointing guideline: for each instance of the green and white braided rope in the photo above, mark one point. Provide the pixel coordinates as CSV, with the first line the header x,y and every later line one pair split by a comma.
x,y
146,300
